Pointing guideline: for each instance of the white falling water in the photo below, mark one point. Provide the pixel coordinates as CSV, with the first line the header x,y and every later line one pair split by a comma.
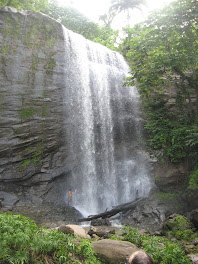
x,y
103,126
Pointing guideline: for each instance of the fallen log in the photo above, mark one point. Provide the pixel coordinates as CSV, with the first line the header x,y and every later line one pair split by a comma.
x,y
120,208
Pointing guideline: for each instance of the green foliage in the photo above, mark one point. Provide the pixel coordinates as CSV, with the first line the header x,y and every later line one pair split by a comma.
x,y
22,241
193,182
180,227
192,138
107,18
167,196
26,113
35,156
72,19
25,164
35,61
4,50
167,132
163,49
86,249
36,5
132,235
161,249
119,6
107,37
50,64
162,52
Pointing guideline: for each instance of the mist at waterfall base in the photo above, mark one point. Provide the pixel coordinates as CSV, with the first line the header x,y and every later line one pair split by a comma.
x,y
103,127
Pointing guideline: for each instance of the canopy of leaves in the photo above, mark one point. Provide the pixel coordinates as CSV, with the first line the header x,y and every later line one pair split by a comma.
x,y
124,5
163,55
164,49
36,5
72,19
120,6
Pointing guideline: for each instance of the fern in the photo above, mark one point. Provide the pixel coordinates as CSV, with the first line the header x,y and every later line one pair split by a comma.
x,y
22,242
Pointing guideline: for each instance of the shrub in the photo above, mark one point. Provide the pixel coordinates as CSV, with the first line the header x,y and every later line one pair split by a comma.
x,y
22,241
161,249
179,227
193,182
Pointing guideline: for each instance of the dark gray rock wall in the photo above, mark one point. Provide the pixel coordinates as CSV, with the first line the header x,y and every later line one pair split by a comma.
x,y
32,137
168,174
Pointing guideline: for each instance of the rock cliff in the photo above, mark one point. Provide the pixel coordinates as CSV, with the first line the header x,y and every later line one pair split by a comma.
x,y
53,101
32,154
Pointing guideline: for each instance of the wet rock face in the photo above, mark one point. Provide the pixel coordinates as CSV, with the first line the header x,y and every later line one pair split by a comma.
x,y
151,213
32,138
193,217
49,215
167,173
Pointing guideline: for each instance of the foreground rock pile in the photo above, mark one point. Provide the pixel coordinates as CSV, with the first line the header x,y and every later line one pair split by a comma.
x,y
108,250
117,251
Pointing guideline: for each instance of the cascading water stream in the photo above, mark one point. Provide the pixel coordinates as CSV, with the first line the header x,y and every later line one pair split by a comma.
x,y
103,125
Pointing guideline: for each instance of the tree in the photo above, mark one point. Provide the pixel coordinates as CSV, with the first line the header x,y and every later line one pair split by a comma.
x,y
36,5
72,19
107,37
162,52
107,19
119,6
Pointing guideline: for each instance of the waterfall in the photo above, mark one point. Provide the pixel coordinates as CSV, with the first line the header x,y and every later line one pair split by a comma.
x,y
103,128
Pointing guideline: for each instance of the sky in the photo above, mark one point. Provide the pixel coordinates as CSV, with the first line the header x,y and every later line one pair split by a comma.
x,y
94,8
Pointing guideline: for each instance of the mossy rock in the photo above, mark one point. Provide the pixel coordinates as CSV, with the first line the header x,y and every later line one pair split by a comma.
x,y
177,226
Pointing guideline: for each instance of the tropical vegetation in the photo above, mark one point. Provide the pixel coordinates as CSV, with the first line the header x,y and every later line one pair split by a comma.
x,y
36,5
163,55
161,249
22,241
125,6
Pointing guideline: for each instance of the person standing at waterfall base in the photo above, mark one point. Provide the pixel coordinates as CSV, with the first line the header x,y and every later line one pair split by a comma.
x,y
70,197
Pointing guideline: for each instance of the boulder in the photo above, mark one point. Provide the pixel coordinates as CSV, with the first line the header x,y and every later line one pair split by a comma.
x,y
143,232
49,215
193,258
99,231
195,241
188,248
100,222
77,230
193,216
113,251
153,211
148,215
175,222
65,229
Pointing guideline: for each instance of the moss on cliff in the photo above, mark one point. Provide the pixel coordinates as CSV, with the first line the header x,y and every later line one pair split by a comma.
x,y
34,156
